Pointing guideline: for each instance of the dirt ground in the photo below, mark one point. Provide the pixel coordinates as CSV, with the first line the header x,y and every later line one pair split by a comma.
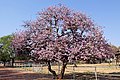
x,y
15,74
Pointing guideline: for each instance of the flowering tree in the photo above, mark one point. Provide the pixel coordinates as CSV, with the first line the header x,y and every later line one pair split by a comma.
x,y
20,46
62,35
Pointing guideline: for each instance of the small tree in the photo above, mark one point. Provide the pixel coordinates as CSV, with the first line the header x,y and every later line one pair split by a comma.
x,y
62,35
5,50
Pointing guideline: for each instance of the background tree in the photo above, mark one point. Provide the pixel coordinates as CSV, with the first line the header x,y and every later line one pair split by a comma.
x,y
62,35
116,51
115,48
20,47
5,50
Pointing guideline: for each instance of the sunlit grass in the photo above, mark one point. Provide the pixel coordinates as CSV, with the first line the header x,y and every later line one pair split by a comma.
x,y
81,68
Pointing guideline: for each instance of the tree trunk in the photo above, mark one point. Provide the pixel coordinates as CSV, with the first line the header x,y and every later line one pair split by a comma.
x,y
12,62
52,71
4,63
63,70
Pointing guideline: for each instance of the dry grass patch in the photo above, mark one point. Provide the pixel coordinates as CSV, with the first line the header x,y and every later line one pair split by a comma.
x,y
81,68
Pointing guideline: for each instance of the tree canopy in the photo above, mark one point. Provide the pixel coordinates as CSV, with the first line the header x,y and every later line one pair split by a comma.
x,y
63,35
5,50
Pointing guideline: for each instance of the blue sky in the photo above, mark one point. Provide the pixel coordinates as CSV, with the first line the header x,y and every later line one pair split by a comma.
x,y
105,13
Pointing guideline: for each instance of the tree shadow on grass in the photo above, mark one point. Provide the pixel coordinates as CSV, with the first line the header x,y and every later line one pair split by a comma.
x,y
115,73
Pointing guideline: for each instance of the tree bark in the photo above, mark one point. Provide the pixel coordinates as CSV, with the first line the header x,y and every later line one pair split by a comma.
x,y
63,70
4,63
12,62
52,71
